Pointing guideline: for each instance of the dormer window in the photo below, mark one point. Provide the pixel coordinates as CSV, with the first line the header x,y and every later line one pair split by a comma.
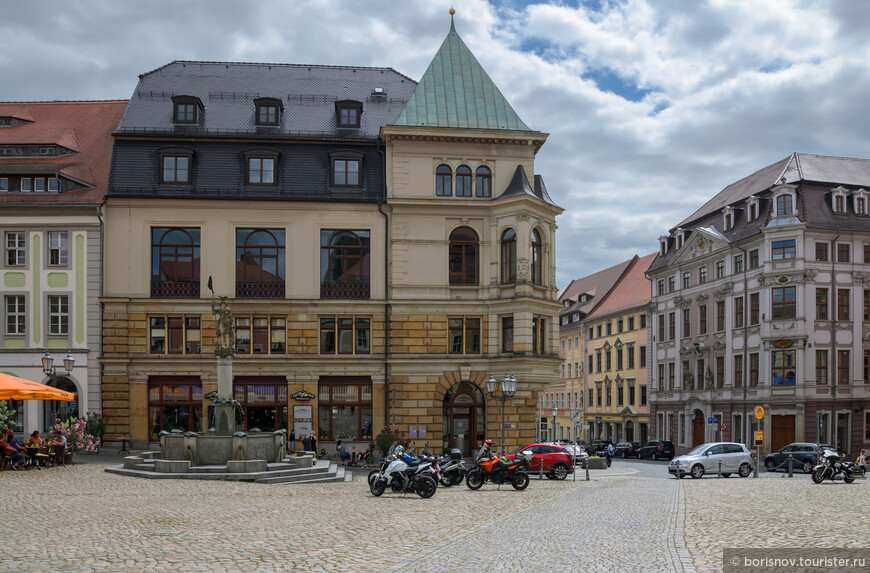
x,y
728,218
680,237
752,208
261,166
346,168
860,202
663,245
268,111
175,165
186,109
784,200
838,200
348,113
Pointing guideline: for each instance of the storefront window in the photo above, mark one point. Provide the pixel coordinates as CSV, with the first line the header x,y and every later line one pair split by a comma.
x,y
263,401
174,403
345,409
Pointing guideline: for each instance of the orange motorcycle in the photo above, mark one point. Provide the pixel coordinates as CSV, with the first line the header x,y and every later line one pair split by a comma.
x,y
499,470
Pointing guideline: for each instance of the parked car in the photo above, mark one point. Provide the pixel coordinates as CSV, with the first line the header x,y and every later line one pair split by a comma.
x,y
627,450
706,458
597,447
558,463
657,449
577,451
805,457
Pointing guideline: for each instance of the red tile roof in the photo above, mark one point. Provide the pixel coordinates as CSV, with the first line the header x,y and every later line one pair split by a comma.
x,y
594,286
631,291
84,126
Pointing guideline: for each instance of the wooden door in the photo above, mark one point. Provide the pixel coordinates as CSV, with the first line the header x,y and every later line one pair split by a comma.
x,y
698,430
781,432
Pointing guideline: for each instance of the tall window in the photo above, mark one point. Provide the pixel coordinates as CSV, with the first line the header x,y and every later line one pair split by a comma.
x,y
720,269
464,335
16,249
174,403
261,170
672,375
738,371
16,314
753,369
687,279
261,334
344,409
345,335
642,357
781,250
175,261
672,284
866,366
619,359
843,304
608,360
175,334
821,251
539,335
629,352
345,172
720,315
784,302
462,254
754,308
842,367
860,206
867,305
753,259
672,326
687,322
444,181
344,264
843,252
260,263
783,367
702,319
821,367
839,204
483,183
720,372
509,257
661,327
263,400
738,264
738,312
784,205
58,248
821,304
536,258
463,181
507,334
702,275
176,169
58,315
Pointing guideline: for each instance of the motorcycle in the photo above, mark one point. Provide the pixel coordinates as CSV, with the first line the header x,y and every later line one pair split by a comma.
x,y
403,475
453,470
832,467
499,471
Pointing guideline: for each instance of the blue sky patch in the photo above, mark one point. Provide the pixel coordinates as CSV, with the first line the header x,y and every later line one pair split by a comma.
x,y
774,66
609,81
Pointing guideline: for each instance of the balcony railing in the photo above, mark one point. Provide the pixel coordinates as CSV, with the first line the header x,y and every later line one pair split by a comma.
x,y
348,290
251,289
175,289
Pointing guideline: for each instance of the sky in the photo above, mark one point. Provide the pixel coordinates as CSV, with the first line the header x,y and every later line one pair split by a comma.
x,y
652,106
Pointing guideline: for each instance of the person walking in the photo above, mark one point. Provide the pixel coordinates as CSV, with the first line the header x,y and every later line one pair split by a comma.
x,y
862,462
291,441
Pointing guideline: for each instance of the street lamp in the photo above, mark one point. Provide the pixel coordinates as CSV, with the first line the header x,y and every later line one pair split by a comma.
x,y
555,413
508,389
51,371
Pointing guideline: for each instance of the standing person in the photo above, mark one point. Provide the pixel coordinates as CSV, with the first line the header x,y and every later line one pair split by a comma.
x,y
862,462
291,441
609,450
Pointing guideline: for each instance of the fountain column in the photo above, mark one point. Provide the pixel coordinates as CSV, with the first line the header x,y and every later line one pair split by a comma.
x,y
224,408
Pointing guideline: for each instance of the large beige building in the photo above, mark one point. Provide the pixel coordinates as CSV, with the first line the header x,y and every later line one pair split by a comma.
x,y
385,248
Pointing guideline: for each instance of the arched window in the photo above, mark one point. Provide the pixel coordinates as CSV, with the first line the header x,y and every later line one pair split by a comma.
x,y
175,262
444,181
260,263
509,257
483,185
784,205
463,256
536,258
463,181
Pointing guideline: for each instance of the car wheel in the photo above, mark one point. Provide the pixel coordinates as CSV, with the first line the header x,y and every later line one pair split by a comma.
x,y
745,470
726,475
807,467
655,457
560,471
624,455
697,471
770,465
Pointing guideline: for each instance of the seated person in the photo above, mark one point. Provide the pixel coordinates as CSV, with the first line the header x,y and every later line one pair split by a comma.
x,y
35,441
58,440
10,451
343,455
365,457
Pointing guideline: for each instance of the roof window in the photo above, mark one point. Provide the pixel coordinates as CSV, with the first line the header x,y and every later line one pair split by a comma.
x,y
186,109
268,111
348,113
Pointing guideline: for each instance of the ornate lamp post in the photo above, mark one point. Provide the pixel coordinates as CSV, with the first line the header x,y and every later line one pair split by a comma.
x,y
51,371
555,413
508,389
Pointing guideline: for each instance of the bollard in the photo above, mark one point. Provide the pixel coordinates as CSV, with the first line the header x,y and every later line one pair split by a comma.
x,y
541,470
719,471
790,465
586,465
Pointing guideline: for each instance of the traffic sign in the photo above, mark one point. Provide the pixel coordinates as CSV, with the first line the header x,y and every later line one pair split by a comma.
x,y
713,420
759,412
724,427
759,438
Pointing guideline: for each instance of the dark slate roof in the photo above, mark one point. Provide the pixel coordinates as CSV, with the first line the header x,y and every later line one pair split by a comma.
x,y
519,185
455,91
228,90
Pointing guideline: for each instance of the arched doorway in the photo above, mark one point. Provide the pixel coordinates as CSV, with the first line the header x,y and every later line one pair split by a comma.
x,y
629,431
698,428
463,418
54,410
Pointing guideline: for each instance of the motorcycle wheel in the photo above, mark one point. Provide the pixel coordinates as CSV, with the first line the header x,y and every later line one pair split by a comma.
x,y
520,481
372,475
848,479
457,479
474,480
818,476
378,487
425,487
446,481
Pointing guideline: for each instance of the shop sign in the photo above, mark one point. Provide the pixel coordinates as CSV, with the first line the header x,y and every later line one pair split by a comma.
x,y
303,423
302,395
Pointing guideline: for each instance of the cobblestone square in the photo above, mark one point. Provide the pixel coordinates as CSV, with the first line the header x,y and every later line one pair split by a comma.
x,y
631,517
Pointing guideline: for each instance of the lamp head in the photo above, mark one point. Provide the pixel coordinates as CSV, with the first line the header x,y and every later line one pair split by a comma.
x,y
69,362
509,385
47,362
491,384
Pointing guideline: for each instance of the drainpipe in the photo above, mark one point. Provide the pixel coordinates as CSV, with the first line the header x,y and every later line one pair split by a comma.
x,y
102,274
744,421
386,292
836,309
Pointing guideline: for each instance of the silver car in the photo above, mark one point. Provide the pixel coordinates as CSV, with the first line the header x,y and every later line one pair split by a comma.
x,y
706,458
578,453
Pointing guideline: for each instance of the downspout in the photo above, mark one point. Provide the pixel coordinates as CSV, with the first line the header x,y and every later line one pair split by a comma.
x,y
747,312
102,274
836,308
386,292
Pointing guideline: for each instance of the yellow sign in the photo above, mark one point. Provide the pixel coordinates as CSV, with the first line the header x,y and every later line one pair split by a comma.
x,y
759,412
759,438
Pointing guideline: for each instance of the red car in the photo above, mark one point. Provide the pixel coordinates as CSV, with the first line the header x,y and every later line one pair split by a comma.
x,y
558,463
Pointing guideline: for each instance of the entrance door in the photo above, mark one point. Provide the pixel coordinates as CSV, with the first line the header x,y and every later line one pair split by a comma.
x,y
461,431
463,418
56,410
698,429
781,431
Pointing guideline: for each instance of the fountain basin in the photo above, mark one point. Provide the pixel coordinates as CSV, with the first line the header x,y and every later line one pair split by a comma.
x,y
208,449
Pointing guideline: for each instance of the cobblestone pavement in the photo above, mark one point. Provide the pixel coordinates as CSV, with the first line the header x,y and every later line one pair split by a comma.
x,y
80,518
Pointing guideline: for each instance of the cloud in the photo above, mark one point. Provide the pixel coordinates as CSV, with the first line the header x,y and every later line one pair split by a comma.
x,y
652,106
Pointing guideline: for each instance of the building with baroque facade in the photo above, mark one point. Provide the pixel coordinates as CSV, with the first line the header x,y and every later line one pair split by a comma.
x,y
760,298
385,246
54,169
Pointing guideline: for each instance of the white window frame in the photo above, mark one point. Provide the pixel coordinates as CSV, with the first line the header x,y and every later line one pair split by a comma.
x,y
25,182
20,250
61,249
56,324
19,311
53,185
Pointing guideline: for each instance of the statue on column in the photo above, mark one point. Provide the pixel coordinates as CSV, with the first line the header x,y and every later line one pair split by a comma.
x,y
224,329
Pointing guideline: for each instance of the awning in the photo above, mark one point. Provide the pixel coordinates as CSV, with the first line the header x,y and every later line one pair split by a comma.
x,y
14,388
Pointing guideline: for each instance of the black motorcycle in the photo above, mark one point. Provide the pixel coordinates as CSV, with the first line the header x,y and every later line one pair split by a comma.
x,y
833,467
452,469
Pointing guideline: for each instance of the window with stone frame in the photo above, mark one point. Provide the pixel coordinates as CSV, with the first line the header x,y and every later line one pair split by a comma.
x,y
702,319
539,335
783,367
16,314
784,205
349,335
16,249
782,250
738,371
263,399
174,334
867,254
483,182
843,304
345,263
843,252
443,181
344,408
629,353
175,262
821,251
753,369
866,366
619,359
860,206
463,335
821,367
753,259
263,334
738,312
463,181
720,372
784,303
738,264
672,375
720,269
260,263
687,279
58,248
702,275
842,367
608,360
642,357
687,323
508,257
754,308
672,326
867,305
463,256
608,396
720,316
661,318
58,315
821,304
536,258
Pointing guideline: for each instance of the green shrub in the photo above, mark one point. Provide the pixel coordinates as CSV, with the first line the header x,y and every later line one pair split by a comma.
x,y
385,439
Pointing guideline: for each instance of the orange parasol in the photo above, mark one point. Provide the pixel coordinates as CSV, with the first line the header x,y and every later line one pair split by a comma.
x,y
14,388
